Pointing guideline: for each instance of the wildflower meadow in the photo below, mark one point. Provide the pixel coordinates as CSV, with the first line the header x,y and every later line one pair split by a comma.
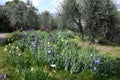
x,y
34,54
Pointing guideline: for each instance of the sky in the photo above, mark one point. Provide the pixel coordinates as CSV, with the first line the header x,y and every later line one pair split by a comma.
x,y
41,5
49,5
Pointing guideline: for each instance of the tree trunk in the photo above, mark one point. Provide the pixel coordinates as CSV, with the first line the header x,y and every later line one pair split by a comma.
x,y
81,29
79,24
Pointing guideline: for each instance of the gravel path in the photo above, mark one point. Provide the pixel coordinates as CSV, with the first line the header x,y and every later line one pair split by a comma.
x,y
2,37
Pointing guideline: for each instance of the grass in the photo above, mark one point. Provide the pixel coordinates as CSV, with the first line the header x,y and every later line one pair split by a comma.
x,y
5,67
59,74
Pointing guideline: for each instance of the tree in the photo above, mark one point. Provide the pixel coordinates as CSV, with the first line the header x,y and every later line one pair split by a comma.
x,y
15,11
72,11
22,15
112,19
4,20
45,18
100,17
54,23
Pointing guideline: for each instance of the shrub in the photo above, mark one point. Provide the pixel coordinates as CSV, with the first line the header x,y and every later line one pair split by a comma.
x,y
11,37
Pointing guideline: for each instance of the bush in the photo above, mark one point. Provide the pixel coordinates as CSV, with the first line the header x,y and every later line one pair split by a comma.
x,y
107,42
108,66
11,37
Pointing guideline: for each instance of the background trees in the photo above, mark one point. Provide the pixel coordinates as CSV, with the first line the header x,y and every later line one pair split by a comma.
x,y
101,18
4,20
45,19
21,14
72,13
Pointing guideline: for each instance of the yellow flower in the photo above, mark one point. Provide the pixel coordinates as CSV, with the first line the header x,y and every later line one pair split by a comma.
x,y
17,49
50,74
31,69
5,49
48,43
74,39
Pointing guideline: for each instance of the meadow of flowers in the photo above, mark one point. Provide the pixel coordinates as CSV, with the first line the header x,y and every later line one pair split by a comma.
x,y
32,53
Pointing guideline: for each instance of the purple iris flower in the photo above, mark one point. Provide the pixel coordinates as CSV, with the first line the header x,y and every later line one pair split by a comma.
x,y
19,36
33,45
32,39
94,69
50,37
49,52
97,61
33,36
37,40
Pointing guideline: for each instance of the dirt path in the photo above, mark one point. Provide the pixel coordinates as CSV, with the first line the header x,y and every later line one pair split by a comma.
x,y
2,37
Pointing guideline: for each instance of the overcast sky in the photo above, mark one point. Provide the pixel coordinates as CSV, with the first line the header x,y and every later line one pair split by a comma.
x,y
49,5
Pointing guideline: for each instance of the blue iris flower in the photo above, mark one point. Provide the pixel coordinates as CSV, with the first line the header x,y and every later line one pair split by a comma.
x,y
49,52
95,69
97,61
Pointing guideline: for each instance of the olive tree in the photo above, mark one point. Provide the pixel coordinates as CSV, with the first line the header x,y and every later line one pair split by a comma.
x,y
101,18
72,13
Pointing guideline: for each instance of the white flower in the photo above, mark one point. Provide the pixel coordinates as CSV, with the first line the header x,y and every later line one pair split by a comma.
x,y
10,52
12,47
91,55
17,47
9,44
66,41
19,54
53,65
62,40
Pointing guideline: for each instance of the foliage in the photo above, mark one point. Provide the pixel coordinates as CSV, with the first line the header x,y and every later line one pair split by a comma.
x,y
71,14
59,51
46,19
21,15
107,61
102,19
4,20
12,37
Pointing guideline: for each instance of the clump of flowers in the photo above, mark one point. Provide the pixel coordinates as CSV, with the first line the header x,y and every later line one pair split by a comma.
x,y
56,50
